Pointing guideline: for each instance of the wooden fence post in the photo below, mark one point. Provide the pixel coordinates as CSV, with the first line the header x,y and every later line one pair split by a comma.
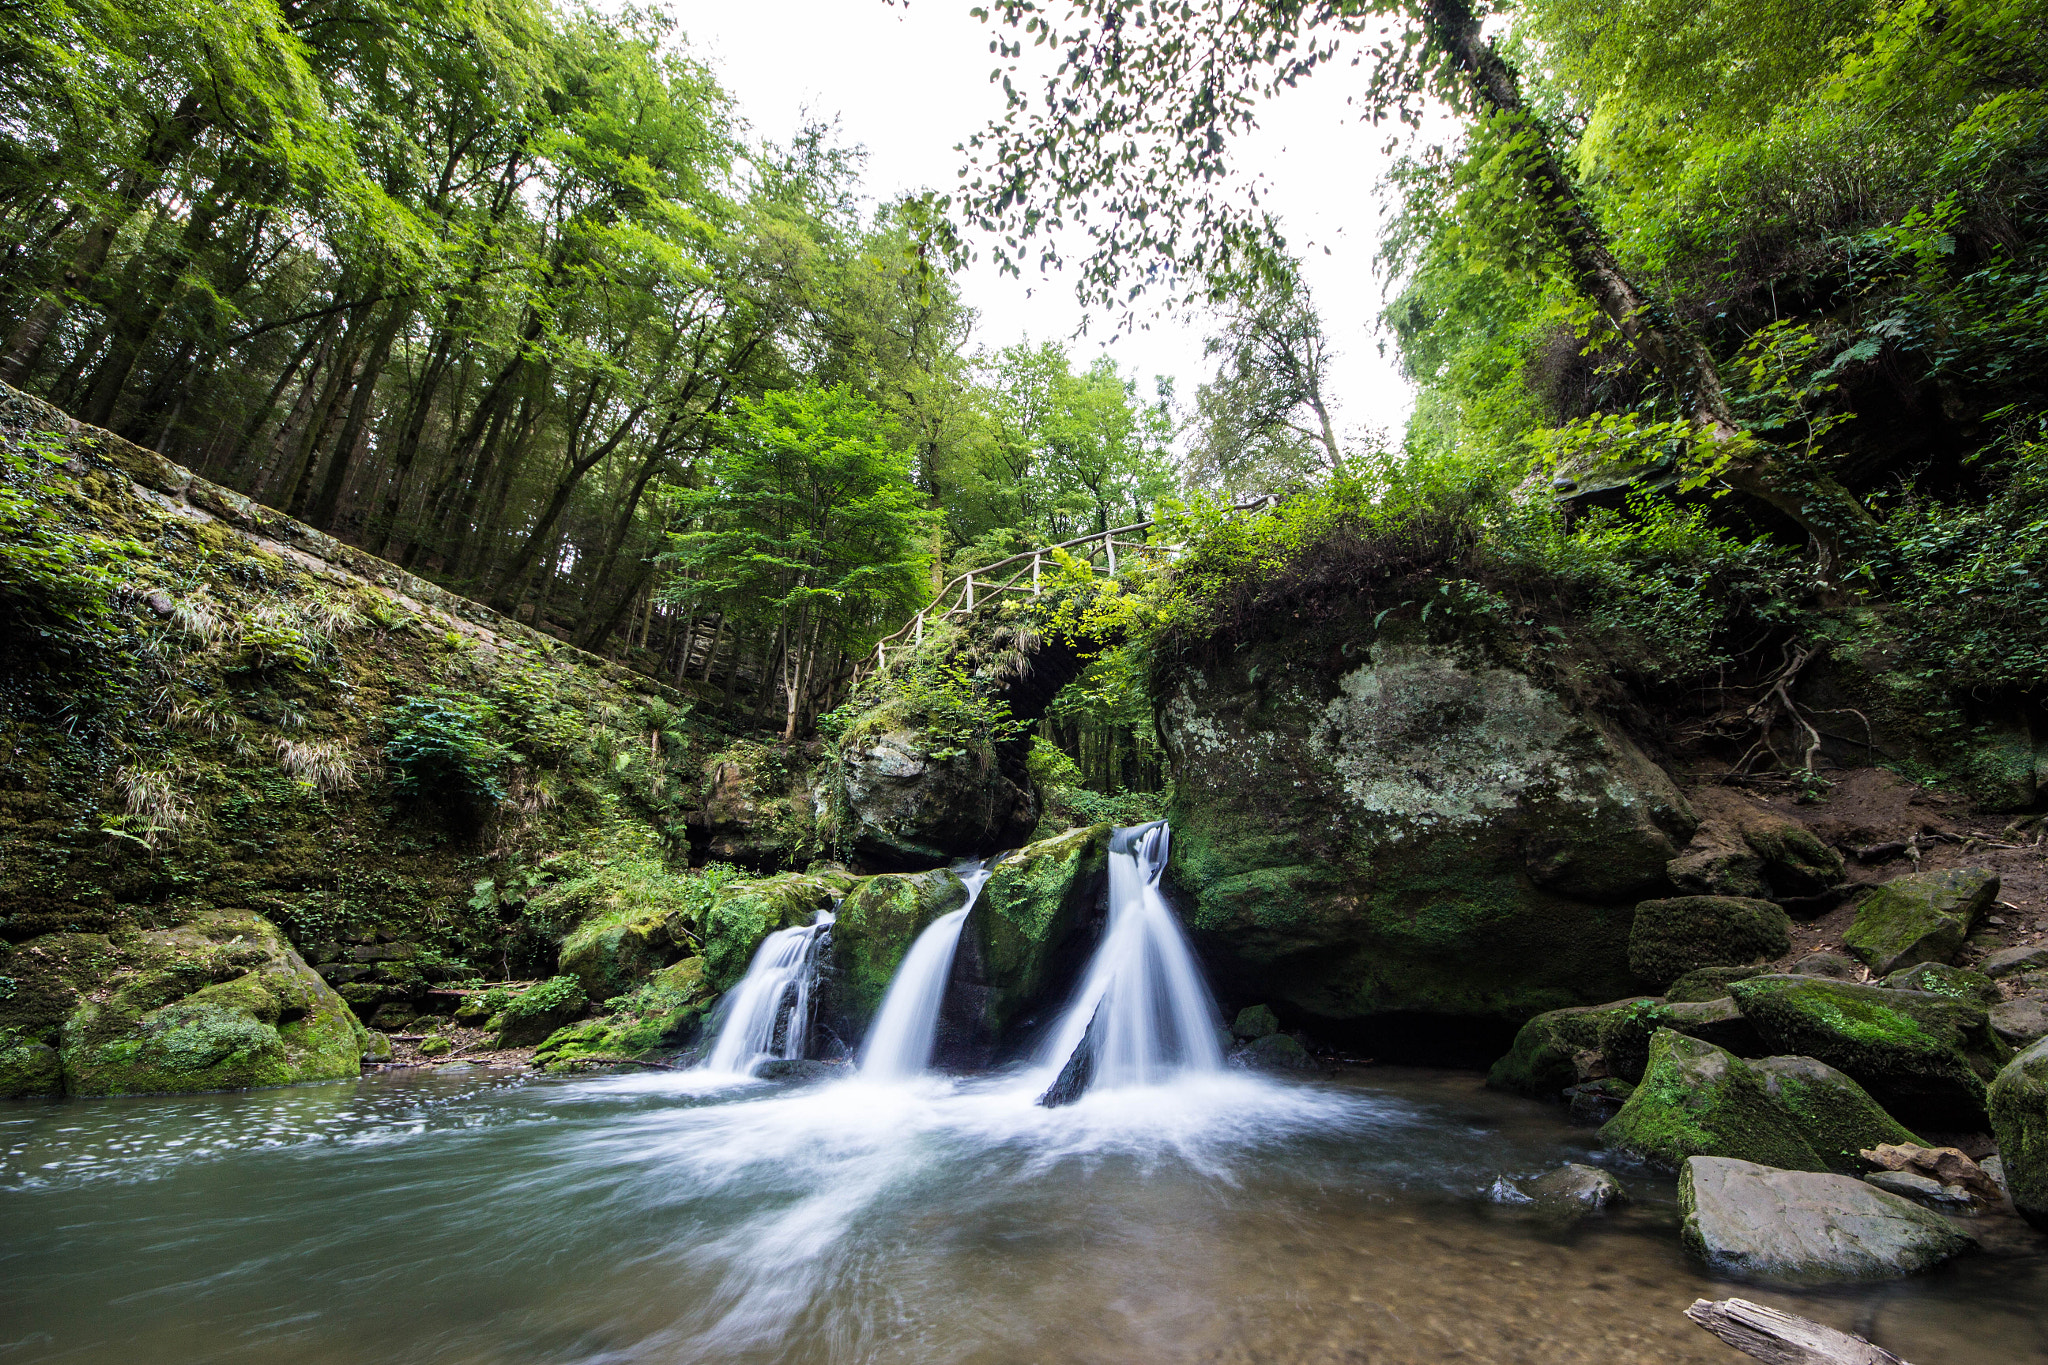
x,y
1034,574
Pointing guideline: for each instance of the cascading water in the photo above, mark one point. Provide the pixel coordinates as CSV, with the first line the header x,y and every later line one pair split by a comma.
x,y
899,1046
770,1011
1143,1012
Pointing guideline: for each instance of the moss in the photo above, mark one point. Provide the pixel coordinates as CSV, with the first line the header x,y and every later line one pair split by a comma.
x,y
610,955
1698,1100
1542,1060
1030,917
437,1047
1708,983
538,1011
1672,937
1835,1115
1924,1058
1936,978
2019,1118
1255,1021
28,1067
874,928
744,913
1921,917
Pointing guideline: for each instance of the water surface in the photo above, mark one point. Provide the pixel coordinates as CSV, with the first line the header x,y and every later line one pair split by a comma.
x,y
471,1216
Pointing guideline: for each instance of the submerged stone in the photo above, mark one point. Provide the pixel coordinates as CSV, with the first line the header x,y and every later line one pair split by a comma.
x,y
1575,1187
1920,917
1795,1227
1696,1099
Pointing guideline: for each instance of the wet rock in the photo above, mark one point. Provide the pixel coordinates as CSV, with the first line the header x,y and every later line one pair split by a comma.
x,y
1923,1191
1795,1227
1936,978
1921,917
378,1048
1925,1058
1076,1073
1255,1021
1945,1166
1696,1099
1707,983
1276,1052
873,929
2026,957
2019,1118
28,1067
1575,1188
1831,965
746,912
1835,1115
2020,1022
903,806
1414,829
1594,1102
798,1069
1674,936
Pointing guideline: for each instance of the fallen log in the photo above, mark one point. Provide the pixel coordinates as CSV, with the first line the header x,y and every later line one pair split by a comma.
x,y
1782,1339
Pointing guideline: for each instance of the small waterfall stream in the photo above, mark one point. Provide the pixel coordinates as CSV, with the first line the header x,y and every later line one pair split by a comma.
x,y
770,1011
899,1045
1143,1012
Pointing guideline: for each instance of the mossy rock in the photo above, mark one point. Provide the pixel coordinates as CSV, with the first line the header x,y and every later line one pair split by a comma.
x,y
1925,1058
1696,1099
611,955
744,913
1836,1116
1682,934
1276,1052
1936,978
1255,1021
28,1067
1920,917
1544,1057
437,1047
537,1011
1370,824
1625,1034
220,1002
900,804
1028,932
1708,983
2019,1118
873,929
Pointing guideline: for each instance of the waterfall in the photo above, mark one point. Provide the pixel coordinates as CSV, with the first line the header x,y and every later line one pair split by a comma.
x,y
1143,1011
769,1014
899,1046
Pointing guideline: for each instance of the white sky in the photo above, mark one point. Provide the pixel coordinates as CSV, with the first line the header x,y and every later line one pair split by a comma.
x,y
909,83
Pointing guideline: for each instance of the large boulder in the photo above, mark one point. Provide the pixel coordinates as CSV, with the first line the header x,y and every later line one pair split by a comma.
x,y
1403,828
1835,1115
1561,1048
1025,941
1744,849
1794,1227
1925,1058
1674,936
873,929
219,1002
1696,1099
2019,1118
744,913
907,800
612,954
1920,917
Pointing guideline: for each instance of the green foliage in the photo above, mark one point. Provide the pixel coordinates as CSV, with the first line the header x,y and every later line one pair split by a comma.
x,y
438,749
57,581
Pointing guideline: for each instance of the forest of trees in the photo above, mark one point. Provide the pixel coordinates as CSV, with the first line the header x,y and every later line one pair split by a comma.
x,y
511,295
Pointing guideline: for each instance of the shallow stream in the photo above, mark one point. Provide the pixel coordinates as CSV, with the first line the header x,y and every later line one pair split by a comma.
x,y
472,1215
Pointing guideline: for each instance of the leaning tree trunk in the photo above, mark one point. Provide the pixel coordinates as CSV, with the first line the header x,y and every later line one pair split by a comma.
x,y
1821,506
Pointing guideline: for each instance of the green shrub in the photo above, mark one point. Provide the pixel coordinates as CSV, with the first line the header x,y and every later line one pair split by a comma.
x,y
437,748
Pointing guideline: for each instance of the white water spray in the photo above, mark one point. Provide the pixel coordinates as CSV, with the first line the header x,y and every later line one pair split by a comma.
x,y
773,1001
1143,1010
899,1046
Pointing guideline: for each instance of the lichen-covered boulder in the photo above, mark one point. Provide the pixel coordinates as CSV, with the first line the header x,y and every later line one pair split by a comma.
x,y
1708,983
220,1002
873,929
1681,934
2019,1119
755,810
1744,849
905,801
1696,1099
1835,1115
1925,1058
1367,825
1920,917
1026,939
1793,1227
1937,978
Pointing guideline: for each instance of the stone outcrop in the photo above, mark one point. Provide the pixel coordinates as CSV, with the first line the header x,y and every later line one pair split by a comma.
x,y
218,1002
1406,828
902,805
1793,1227
1921,917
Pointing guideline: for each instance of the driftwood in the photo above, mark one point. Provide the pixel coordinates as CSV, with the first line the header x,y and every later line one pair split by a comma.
x,y
1781,1339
